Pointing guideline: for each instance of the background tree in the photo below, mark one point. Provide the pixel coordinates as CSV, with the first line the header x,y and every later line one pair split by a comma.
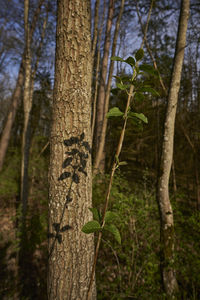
x,y
5,137
166,212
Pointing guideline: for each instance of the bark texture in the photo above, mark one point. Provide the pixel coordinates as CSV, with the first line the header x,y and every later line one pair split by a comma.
x,y
166,213
70,250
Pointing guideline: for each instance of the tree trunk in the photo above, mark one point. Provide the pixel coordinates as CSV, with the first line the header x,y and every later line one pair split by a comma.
x,y
27,103
102,86
97,68
100,152
5,137
70,178
166,213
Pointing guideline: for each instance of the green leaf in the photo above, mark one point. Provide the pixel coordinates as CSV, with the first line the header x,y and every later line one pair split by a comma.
x,y
123,163
122,86
149,89
114,112
130,60
110,216
116,58
96,214
118,78
125,78
138,116
148,69
113,229
91,226
139,54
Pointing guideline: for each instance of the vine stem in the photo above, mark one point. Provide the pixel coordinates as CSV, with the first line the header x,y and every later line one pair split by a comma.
x,y
115,163
114,167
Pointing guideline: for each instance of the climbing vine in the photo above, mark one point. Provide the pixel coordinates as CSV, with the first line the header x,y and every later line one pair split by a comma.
x,y
135,87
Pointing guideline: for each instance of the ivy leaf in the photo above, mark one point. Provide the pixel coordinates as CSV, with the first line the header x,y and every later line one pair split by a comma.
x,y
113,229
114,112
110,216
91,226
139,54
116,58
96,214
138,116
130,60
64,175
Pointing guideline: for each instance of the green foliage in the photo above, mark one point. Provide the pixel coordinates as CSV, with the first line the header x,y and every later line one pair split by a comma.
x,y
114,112
139,54
130,270
138,116
96,214
9,177
110,216
123,83
113,229
135,263
91,226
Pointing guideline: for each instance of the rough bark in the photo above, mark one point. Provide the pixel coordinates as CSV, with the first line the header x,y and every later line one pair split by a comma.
x,y
95,31
99,155
70,250
5,137
166,212
102,84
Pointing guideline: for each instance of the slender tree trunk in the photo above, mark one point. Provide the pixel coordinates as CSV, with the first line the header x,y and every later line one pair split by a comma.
x,y
71,251
100,158
98,56
166,213
103,78
5,137
27,103
23,256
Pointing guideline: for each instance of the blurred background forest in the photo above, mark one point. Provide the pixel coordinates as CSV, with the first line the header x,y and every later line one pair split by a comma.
x,y
129,270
